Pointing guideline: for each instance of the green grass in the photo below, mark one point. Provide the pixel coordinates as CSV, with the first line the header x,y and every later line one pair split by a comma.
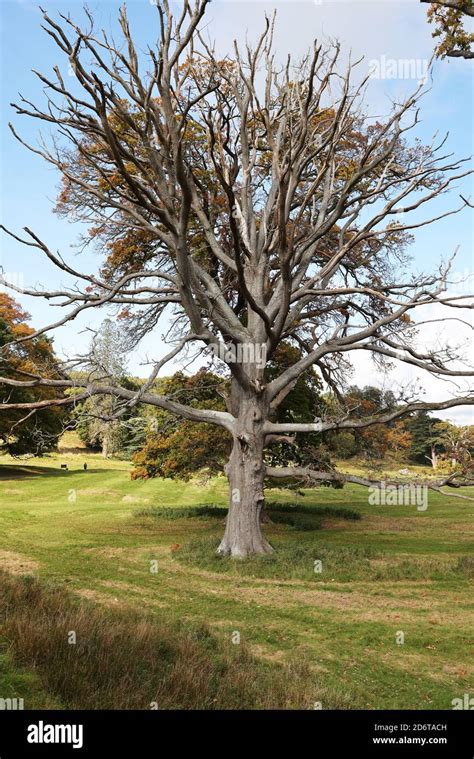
x,y
313,561
292,560
20,683
387,569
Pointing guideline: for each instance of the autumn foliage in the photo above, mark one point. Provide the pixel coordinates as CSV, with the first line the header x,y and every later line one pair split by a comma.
x,y
21,432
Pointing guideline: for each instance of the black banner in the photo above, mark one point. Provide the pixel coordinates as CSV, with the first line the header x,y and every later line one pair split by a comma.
x,y
106,734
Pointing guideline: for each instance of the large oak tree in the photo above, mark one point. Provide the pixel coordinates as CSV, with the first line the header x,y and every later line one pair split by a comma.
x,y
264,206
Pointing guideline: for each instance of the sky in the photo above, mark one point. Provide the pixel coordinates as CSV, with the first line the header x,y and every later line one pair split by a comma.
x,y
382,31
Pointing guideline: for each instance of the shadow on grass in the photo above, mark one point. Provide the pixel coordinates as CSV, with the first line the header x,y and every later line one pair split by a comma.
x,y
24,472
304,518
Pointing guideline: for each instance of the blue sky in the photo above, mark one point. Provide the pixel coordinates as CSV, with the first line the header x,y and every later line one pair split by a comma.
x,y
396,30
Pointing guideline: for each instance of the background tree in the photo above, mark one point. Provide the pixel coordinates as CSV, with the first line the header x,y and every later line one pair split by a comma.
x,y
309,246
179,449
424,438
97,421
38,432
449,17
371,442
457,443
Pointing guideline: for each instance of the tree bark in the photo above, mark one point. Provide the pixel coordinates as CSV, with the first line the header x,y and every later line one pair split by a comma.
x,y
245,471
105,446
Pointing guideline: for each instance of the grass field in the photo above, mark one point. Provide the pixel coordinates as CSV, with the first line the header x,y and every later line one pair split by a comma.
x,y
126,548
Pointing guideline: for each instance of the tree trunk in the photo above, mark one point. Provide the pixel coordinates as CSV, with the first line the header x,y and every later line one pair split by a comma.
x,y
245,471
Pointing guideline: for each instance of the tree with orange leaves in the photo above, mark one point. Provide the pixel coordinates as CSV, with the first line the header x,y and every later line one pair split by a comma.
x,y
449,17
20,359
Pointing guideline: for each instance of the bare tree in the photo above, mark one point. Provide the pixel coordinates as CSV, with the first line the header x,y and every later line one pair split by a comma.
x,y
273,210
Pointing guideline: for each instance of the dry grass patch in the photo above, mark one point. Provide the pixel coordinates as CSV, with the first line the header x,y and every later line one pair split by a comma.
x,y
128,660
17,564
